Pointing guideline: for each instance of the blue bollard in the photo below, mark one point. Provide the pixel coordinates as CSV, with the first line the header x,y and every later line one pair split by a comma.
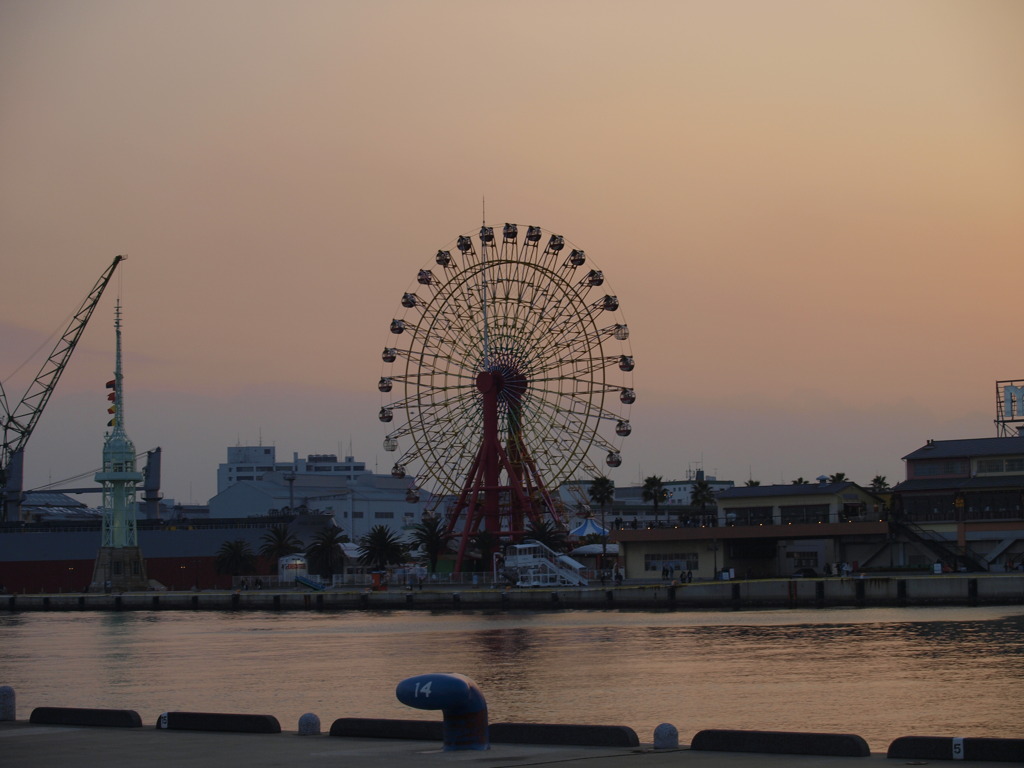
x,y
309,725
461,703
666,736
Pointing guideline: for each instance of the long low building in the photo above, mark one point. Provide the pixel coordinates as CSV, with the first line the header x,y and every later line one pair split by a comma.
x,y
764,531
960,508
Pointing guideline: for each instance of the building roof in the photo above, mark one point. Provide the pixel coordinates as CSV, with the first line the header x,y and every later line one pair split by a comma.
x,y
804,489
969,448
949,484
51,499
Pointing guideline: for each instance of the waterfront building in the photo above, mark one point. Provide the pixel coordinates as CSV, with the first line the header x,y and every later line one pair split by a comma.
x,y
356,498
762,531
962,503
254,462
960,508
629,500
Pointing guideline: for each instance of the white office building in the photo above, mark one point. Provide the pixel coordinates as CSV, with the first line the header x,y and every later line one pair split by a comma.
x,y
252,483
254,462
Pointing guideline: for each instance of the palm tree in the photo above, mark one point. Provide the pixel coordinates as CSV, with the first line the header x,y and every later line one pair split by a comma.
x,y
879,484
701,494
235,558
487,544
380,548
654,491
279,542
602,493
838,477
801,481
547,533
324,555
431,536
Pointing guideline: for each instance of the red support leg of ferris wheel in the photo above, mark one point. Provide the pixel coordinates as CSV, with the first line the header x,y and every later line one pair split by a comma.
x,y
483,494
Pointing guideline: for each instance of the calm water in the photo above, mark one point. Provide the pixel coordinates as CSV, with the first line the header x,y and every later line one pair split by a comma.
x,y
880,673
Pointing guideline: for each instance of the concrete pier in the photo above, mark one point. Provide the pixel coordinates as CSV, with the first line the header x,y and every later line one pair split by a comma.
x,y
959,589
24,744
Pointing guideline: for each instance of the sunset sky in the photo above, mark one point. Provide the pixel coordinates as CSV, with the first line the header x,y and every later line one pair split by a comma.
x,y
812,213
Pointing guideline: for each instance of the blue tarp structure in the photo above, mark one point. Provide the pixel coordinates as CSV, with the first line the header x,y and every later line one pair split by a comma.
x,y
588,528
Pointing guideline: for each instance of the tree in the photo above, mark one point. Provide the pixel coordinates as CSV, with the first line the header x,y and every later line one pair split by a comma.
x,y
235,558
486,543
547,533
380,548
654,491
279,542
801,481
324,555
838,477
879,484
701,495
752,483
431,536
602,492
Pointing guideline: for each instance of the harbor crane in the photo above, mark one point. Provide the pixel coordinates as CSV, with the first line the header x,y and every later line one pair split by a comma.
x,y
18,423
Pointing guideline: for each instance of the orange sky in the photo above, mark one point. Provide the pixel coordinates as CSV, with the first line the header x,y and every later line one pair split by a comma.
x,y
810,211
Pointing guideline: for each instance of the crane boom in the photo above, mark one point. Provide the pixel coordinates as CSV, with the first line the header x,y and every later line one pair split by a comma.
x,y
19,423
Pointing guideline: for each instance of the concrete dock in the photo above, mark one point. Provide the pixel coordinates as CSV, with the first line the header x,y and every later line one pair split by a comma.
x,y
25,744
954,589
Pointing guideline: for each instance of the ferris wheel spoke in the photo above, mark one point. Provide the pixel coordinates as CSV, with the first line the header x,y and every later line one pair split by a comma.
x,y
398,433
454,414
408,457
430,408
426,381
560,418
415,398
578,367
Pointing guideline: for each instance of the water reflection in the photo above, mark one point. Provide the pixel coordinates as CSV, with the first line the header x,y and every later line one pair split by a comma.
x,y
879,673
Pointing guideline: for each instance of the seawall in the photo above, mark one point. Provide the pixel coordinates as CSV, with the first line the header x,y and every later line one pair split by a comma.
x,y
961,589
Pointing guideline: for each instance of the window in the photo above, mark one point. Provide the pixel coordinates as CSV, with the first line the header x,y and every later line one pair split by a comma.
x,y
384,515
805,513
940,467
684,561
1015,465
989,465
803,559
748,516
929,508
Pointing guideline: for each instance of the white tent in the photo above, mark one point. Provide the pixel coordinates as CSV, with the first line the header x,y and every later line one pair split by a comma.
x,y
592,550
588,528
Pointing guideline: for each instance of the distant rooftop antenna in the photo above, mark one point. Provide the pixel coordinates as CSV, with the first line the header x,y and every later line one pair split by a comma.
x,y
483,211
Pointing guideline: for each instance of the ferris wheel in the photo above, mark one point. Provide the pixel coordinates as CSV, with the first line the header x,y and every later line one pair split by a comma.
x,y
509,358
